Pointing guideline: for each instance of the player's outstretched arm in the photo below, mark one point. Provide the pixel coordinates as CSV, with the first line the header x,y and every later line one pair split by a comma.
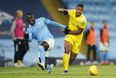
x,y
28,35
53,23
62,10
76,32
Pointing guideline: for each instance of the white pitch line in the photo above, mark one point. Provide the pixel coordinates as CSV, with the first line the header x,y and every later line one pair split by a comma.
x,y
16,72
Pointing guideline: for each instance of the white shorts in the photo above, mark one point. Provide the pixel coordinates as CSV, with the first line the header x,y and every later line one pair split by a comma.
x,y
103,47
51,42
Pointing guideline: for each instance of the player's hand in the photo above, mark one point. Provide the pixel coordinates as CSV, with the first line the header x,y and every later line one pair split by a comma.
x,y
61,10
66,31
15,40
26,36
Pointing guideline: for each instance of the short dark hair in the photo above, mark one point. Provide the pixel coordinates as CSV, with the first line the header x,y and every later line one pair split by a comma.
x,y
30,13
80,5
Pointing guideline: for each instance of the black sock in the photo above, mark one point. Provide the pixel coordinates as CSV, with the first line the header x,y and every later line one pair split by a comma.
x,y
46,62
71,62
39,59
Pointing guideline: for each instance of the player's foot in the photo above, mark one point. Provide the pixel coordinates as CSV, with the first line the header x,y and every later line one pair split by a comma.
x,y
19,65
41,66
22,65
88,63
65,72
50,68
102,63
95,63
107,62
16,65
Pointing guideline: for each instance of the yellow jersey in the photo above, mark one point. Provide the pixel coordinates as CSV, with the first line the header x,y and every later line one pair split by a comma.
x,y
75,22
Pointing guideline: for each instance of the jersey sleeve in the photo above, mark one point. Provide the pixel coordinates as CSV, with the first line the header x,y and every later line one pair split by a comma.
x,y
70,12
30,34
83,23
12,29
53,23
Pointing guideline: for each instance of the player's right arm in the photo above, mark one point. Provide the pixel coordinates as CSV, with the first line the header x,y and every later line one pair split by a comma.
x,y
28,34
12,30
53,23
101,31
66,11
86,33
48,21
62,10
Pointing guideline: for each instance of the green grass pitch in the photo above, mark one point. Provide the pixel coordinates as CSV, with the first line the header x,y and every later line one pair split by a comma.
x,y
107,71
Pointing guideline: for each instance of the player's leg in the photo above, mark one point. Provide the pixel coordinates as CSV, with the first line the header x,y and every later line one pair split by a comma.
x,y
94,54
102,57
106,57
42,48
73,56
16,53
15,49
102,48
46,59
75,50
25,48
20,52
106,54
47,44
89,47
48,66
67,47
88,53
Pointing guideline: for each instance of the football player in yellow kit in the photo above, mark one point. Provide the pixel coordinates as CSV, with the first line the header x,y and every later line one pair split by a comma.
x,y
73,38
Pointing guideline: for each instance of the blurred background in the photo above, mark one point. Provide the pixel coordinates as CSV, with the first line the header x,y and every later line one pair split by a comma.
x,y
95,10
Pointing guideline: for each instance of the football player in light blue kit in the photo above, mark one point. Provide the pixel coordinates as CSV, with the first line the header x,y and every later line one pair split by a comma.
x,y
38,30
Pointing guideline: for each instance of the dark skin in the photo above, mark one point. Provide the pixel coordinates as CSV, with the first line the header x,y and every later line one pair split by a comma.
x,y
31,20
68,45
79,11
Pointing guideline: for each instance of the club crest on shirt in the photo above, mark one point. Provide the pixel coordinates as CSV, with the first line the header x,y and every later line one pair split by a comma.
x,y
82,23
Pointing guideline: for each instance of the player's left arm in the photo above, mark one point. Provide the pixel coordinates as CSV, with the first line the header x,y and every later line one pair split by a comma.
x,y
81,28
62,10
28,35
76,32
53,23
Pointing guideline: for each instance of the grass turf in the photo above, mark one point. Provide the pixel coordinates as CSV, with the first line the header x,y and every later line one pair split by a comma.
x,y
108,71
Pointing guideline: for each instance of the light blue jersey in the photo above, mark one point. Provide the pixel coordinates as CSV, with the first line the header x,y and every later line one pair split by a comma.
x,y
40,31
